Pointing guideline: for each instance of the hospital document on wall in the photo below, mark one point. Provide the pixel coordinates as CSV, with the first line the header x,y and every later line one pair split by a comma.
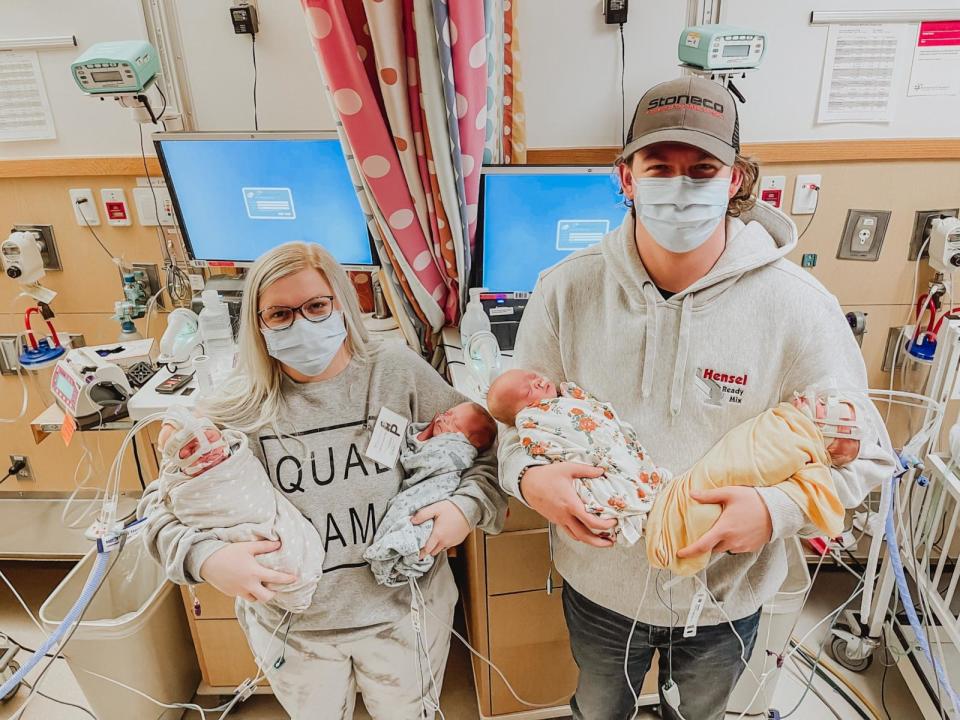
x,y
24,107
936,60
858,74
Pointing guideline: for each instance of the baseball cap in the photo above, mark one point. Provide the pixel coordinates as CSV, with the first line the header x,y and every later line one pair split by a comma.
x,y
690,110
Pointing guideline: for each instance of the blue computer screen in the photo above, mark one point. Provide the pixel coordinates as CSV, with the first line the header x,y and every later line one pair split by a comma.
x,y
533,221
239,198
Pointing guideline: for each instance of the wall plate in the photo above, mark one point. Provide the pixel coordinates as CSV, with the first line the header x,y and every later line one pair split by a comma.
x,y
10,349
863,235
921,229
51,258
895,335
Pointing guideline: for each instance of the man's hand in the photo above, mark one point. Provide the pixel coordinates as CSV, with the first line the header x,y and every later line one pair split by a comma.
x,y
744,524
549,489
450,527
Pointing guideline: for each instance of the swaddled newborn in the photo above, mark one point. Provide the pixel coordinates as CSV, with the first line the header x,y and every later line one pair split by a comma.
x,y
573,426
212,481
433,456
784,446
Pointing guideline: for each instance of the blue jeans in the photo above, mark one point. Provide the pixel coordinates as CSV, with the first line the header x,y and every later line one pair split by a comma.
x,y
706,667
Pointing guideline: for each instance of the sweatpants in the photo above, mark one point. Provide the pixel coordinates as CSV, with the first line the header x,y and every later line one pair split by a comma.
x,y
319,679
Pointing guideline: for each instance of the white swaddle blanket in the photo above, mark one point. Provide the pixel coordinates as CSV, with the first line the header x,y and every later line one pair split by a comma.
x,y
576,427
237,502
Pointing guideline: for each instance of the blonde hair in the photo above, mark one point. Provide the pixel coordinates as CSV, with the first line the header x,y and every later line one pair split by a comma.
x,y
251,396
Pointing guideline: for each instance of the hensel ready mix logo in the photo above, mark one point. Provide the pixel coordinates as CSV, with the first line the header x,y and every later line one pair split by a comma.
x,y
722,387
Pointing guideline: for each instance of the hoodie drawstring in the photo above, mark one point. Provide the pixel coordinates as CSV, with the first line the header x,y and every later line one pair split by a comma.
x,y
651,296
680,364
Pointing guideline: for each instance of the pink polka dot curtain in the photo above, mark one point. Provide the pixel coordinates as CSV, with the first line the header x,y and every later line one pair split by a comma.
x,y
412,83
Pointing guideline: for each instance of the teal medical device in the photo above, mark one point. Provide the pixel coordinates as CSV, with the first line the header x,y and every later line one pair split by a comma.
x,y
109,68
721,47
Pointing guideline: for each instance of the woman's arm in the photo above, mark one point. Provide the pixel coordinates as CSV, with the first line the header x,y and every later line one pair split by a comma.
x,y
180,549
478,496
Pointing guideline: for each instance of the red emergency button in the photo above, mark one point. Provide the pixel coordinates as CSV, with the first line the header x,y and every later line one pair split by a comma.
x,y
771,196
116,211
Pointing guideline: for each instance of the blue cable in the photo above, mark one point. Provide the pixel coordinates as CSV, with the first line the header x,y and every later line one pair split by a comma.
x,y
86,595
897,563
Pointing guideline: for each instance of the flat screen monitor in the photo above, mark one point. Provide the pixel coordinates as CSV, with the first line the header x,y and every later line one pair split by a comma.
x,y
237,195
534,217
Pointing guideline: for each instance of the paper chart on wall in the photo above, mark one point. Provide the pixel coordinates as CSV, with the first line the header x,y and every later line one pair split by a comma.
x,y
24,106
936,60
858,74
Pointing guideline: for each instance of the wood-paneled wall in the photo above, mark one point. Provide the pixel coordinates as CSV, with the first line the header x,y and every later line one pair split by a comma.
x,y
87,288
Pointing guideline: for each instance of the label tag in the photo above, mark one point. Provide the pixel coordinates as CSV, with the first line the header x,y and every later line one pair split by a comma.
x,y
628,529
196,282
384,446
67,428
696,607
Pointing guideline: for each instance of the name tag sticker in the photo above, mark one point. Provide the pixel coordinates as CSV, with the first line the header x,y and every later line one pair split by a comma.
x,y
388,433
696,607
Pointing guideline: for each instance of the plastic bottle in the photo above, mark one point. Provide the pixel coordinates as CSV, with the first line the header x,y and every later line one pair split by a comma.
x,y
474,318
216,330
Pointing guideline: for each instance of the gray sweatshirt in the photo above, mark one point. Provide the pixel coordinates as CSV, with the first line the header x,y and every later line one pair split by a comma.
x,y
683,372
342,492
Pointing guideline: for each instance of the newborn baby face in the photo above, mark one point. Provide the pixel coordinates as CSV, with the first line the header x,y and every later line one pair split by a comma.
x,y
466,418
516,389
841,450
207,460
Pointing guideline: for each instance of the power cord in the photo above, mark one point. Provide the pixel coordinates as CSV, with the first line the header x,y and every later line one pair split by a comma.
x,y
816,204
623,94
17,466
113,258
253,46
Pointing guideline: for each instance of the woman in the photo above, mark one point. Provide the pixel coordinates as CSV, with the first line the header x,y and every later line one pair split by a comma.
x,y
307,390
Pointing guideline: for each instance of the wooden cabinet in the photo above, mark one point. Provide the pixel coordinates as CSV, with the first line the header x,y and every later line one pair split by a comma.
x,y
513,621
222,650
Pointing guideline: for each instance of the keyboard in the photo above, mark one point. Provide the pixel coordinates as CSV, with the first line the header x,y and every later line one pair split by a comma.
x,y
504,311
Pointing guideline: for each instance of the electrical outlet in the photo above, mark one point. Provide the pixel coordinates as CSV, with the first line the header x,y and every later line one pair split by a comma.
x,y
921,229
25,475
806,194
84,206
897,339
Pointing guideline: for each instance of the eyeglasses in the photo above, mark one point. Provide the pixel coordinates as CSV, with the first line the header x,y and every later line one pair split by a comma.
x,y
280,317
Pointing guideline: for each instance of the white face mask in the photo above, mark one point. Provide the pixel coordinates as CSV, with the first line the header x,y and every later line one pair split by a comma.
x,y
307,347
680,213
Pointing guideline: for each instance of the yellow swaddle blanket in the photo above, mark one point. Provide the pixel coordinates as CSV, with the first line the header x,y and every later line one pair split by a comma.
x,y
781,447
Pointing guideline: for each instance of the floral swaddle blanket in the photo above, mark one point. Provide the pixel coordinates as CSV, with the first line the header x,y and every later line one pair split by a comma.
x,y
577,427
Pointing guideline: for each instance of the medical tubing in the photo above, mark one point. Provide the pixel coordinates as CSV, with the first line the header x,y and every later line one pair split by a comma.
x,y
896,563
86,595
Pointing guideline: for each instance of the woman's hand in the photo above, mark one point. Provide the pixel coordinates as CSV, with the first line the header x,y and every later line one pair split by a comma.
x,y
549,489
744,524
234,570
450,527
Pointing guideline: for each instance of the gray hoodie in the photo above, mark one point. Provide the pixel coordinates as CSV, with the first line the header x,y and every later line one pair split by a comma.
x,y
683,372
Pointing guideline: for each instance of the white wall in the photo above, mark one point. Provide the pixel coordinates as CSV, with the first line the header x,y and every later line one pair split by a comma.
x,y
84,125
570,65
570,61
290,92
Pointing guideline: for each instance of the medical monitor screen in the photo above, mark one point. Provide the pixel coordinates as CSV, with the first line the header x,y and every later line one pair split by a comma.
x,y
533,219
238,196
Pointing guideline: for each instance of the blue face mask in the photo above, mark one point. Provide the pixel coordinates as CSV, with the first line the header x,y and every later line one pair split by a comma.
x,y
307,347
680,213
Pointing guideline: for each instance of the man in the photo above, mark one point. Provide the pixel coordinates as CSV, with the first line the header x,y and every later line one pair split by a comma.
x,y
690,320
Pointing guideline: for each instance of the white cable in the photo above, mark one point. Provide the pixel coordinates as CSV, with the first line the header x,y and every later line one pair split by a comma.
x,y
24,605
913,295
151,306
422,635
626,653
476,654
25,401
